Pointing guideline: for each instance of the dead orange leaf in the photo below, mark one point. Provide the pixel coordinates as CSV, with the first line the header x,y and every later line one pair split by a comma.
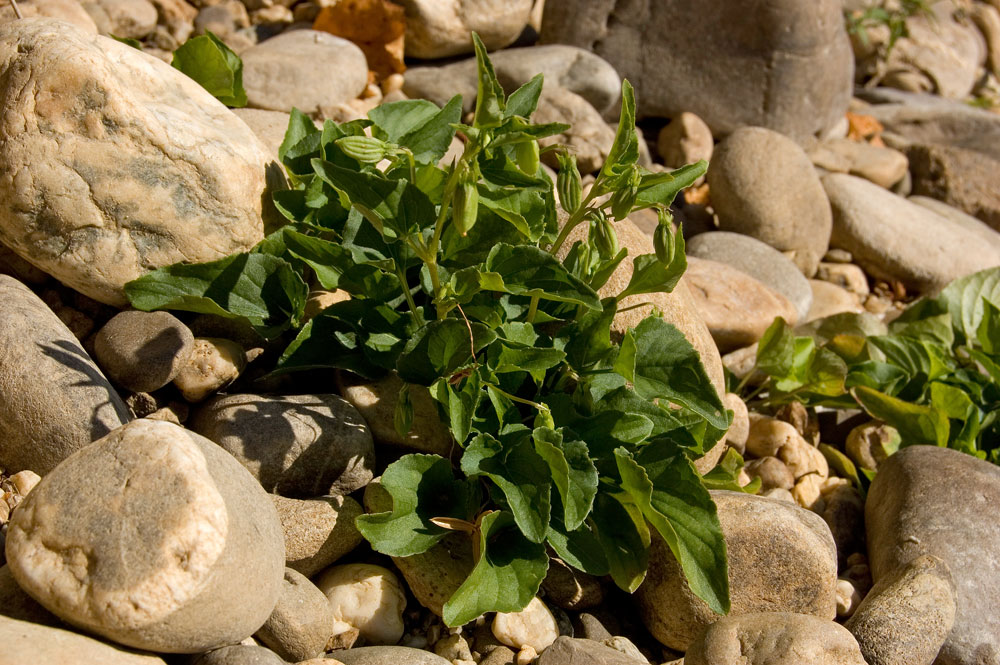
x,y
862,127
376,26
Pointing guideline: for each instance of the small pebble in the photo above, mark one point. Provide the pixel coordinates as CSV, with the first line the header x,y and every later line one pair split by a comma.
x,y
533,626
367,597
526,655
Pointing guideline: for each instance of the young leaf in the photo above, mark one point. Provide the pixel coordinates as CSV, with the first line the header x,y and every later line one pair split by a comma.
x,y
579,548
422,487
988,330
439,348
657,190
207,60
573,473
661,363
418,125
262,289
520,473
506,577
459,403
667,489
625,149
725,475
489,98
964,299
524,100
916,423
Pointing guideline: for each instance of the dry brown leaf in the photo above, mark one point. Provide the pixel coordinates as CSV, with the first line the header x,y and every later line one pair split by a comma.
x,y
862,127
697,195
376,26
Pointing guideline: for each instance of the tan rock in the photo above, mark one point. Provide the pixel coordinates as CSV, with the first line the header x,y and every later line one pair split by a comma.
x,y
736,307
143,351
533,627
685,140
829,299
589,137
70,11
845,275
736,437
213,364
55,399
317,531
439,28
25,642
206,570
781,559
774,638
114,163
301,623
878,164
366,597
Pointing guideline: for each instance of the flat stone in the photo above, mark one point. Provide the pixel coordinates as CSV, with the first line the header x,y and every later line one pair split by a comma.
x,y
295,445
317,531
830,299
388,656
736,307
762,185
55,399
25,642
774,638
569,67
958,177
143,351
440,28
894,239
134,167
301,622
130,18
963,219
279,74
907,615
240,654
787,65
153,537
781,559
881,165
16,604
757,259
575,651
938,501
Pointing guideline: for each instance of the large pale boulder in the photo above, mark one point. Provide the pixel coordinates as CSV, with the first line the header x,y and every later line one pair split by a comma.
x,y
784,64
153,537
53,398
25,642
440,28
112,163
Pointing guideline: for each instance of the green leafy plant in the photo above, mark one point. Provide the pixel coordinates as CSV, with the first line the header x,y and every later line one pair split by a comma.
x,y
215,66
568,443
893,14
933,374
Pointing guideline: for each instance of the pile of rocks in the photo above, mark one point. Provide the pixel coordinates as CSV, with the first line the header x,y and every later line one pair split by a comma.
x,y
158,506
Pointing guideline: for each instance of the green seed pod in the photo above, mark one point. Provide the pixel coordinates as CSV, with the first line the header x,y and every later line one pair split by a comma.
x,y
663,237
527,156
543,418
465,207
362,148
603,236
568,183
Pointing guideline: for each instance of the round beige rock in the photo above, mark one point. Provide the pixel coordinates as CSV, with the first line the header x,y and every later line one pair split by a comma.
x,y
301,623
295,445
781,559
738,432
153,537
70,11
55,400
439,28
774,638
114,163
366,597
212,365
685,140
534,627
317,531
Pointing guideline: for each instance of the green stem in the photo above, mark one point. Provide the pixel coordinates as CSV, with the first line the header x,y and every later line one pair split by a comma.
x,y
435,244
515,398
406,293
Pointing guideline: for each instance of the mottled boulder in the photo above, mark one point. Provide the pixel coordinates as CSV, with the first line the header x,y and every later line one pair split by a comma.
x,y
785,65
153,537
938,501
317,531
53,398
114,163
781,559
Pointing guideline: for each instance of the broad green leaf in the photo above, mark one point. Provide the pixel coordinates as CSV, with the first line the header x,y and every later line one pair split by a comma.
x,y
422,487
667,490
573,473
609,429
531,271
506,577
725,475
524,100
661,363
988,330
441,347
588,339
489,97
520,473
392,204
663,191
623,534
953,402
579,548
262,289
650,275
934,329
964,299
916,423
418,125
522,207
211,63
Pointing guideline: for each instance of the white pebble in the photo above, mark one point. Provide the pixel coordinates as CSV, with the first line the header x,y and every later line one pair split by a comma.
x,y
365,597
533,626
